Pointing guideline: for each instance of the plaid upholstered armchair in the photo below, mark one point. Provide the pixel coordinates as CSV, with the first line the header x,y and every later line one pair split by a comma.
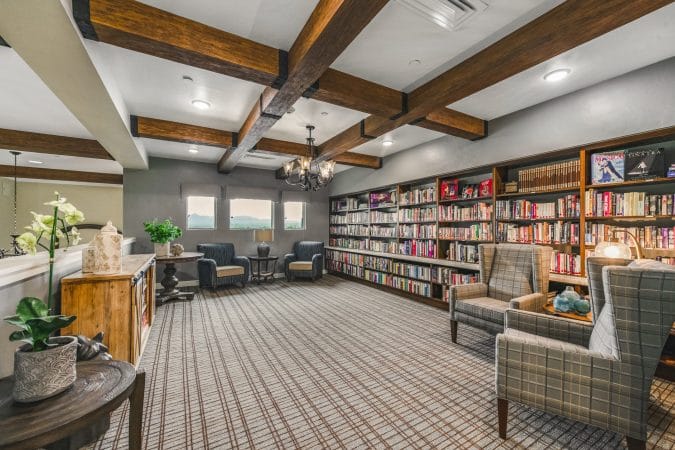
x,y
511,276
599,374
220,266
306,261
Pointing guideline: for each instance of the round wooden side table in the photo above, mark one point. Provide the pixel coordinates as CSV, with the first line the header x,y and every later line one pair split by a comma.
x,y
263,274
169,282
62,421
550,310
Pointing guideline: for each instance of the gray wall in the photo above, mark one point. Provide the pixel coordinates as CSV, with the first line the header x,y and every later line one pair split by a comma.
x,y
156,193
635,102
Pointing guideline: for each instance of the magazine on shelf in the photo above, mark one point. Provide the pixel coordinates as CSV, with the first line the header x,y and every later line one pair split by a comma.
x,y
607,167
646,163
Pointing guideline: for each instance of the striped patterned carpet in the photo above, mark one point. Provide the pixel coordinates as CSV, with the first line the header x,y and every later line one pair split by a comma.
x,y
335,364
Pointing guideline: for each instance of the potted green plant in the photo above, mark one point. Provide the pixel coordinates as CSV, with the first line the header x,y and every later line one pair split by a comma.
x,y
161,234
45,365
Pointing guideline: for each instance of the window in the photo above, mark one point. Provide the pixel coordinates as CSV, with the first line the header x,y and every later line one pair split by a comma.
x,y
251,214
201,213
294,216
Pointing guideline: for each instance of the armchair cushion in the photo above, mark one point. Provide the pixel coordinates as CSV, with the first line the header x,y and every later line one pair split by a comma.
x,y
486,308
300,265
229,271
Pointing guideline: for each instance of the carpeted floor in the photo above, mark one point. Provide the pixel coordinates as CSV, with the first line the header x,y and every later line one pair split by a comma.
x,y
335,364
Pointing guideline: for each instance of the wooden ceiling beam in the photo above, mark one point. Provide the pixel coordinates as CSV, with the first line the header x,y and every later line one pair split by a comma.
x,y
455,123
26,141
180,132
359,160
563,28
61,175
329,30
143,28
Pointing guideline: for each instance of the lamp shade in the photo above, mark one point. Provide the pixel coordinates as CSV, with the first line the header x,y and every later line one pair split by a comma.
x,y
613,249
263,235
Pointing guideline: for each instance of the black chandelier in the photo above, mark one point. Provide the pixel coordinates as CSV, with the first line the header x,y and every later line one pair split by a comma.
x,y
14,250
306,171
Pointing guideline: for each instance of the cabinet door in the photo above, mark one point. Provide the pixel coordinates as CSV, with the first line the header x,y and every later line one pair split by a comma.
x,y
138,307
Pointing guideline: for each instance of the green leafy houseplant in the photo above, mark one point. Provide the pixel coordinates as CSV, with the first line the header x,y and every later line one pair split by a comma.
x,y
162,232
32,317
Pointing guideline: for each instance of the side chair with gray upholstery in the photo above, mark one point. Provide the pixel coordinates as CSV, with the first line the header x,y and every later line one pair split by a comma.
x,y
599,374
221,267
306,261
511,276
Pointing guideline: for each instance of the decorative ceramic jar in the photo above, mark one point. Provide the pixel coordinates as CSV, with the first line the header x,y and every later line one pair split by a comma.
x,y
40,375
108,244
162,249
89,257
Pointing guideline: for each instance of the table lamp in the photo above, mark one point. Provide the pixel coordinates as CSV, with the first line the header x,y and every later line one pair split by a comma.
x,y
262,237
612,248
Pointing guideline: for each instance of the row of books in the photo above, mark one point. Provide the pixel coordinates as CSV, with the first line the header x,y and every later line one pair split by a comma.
x,y
352,217
559,175
647,236
383,198
355,244
475,232
349,230
451,190
604,204
417,231
449,276
539,233
382,246
462,252
383,217
565,207
477,211
565,263
415,247
402,283
381,264
384,232
417,214
338,205
338,266
418,195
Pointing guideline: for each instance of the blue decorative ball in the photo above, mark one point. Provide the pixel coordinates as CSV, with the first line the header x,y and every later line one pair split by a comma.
x,y
562,304
582,306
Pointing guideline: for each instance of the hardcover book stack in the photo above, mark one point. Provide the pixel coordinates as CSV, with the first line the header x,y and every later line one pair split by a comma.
x,y
559,175
647,236
416,196
477,211
605,204
475,232
415,247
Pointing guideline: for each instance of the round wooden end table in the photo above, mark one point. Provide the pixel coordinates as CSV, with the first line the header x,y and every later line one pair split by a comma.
x,y
263,274
550,310
169,282
66,420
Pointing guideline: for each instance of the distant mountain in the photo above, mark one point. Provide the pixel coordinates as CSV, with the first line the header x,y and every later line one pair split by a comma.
x,y
248,223
197,221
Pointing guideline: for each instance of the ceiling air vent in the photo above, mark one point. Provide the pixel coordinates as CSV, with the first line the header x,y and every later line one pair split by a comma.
x,y
258,156
449,14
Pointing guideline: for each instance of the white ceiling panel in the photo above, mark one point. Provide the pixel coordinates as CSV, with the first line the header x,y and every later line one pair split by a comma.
x,y
291,127
60,162
383,52
272,22
180,150
27,104
640,43
154,87
404,137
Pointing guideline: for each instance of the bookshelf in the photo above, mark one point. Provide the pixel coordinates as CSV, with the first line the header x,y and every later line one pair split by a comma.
x,y
423,235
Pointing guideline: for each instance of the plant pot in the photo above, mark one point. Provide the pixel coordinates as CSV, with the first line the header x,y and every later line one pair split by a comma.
x,y
40,375
162,249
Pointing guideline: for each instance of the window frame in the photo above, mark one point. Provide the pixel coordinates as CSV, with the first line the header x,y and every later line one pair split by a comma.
x,y
304,217
230,216
215,213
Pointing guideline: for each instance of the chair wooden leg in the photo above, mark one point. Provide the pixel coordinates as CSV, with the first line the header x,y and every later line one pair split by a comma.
x,y
453,331
635,444
502,414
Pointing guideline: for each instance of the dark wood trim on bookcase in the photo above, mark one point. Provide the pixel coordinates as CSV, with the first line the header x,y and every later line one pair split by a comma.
x,y
61,175
418,298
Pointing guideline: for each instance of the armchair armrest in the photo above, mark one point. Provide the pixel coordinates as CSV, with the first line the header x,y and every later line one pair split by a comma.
x,y
244,262
206,268
464,291
288,258
559,328
530,302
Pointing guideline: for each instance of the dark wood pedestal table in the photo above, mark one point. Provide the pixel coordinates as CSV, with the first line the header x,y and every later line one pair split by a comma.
x,y
262,274
77,416
169,282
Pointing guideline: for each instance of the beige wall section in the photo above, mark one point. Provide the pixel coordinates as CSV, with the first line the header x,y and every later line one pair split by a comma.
x,y
98,203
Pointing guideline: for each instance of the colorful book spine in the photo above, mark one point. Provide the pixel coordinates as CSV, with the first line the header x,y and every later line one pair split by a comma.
x,y
415,247
559,175
478,211
475,232
417,231
408,215
416,196
638,204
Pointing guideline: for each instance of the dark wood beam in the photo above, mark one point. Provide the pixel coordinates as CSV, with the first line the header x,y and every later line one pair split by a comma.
x,y
26,141
143,28
285,148
456,123
563,28
359,160
180,132
60,175
329,30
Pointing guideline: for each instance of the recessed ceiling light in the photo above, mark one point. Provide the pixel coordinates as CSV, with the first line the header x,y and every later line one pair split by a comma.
x,y
33,161
414,62
387,143
557,75
193,150
324,113
201,104
187,79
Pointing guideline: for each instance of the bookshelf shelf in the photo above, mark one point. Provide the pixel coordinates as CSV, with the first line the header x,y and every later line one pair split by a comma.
x,y
473,241
632,218
543,192
465,221
383,207
554,219
632,183
412,205
463,200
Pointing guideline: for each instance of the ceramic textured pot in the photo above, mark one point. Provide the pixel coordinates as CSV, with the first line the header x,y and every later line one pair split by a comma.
x,y
162,249
40,375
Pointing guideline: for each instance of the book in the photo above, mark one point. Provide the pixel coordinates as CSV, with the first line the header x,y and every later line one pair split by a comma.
x,y
449,189
644,163
485,188
607,167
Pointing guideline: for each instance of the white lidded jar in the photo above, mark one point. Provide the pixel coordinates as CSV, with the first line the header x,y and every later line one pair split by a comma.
x,y
108,245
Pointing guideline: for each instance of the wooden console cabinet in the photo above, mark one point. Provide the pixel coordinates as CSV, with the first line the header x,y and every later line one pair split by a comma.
x,y
121,305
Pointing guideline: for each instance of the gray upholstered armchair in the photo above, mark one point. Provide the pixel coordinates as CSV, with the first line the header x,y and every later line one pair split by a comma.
x,y
306,261
511,276
220,266
599,374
